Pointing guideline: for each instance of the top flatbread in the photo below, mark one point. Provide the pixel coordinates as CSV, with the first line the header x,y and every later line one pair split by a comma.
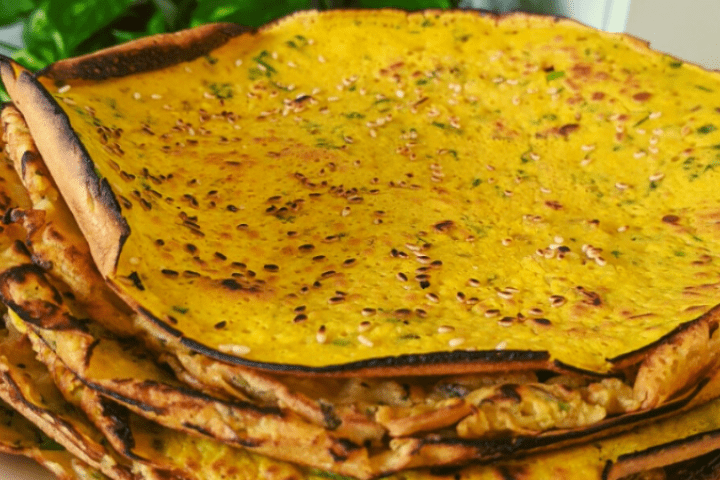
x,y
383,190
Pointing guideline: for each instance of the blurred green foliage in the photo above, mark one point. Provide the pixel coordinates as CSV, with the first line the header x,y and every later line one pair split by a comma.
x,y
57,29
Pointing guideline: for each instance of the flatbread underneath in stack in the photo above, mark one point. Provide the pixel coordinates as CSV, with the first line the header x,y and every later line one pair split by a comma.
x,y
461,239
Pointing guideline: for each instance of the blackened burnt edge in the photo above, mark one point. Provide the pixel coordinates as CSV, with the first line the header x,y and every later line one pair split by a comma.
x,y
657,449
142,55
99,188
407,360
715,311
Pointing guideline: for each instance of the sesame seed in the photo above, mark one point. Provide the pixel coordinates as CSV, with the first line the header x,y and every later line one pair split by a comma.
x,y
656,177
587,148
238,62
639,154
234,349
493,312
365,341
655,115
156,96
473,282
460,296
621,186
535,312
364,326
600,261
368,312
432,297
506,241
64,89
300,317
401,276
137,96
321,59
456,342
557,301
321,336
501,346
505,295
336,300
445,329
622,228
345,212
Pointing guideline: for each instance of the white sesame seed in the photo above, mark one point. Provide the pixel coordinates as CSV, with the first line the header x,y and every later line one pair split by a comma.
x,y
587,148
640,131
657,177
506,241
234,349
64,89
291,64
621,186
238,62
156,96
516,100
600,261
365,341
653,150
534,156
585,161
137,96
653,140
639,154
557,301
333,99
505,295
208,95
321,59
658,131
456,342
558,239
655,115
364,326
320,337
512,81
501,346
622,228
545,190
373,133
445,329
188,69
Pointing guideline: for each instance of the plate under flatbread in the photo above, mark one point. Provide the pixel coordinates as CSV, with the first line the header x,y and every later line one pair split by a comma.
x,y
372,190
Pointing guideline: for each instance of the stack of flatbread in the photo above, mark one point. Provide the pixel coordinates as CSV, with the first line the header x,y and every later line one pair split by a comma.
x,y
363,244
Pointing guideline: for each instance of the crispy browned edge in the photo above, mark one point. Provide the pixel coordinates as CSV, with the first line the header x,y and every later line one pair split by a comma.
x,y
48,122
662,455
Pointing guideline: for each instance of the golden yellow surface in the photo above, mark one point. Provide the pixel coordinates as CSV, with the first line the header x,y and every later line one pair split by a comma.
x,y
347,186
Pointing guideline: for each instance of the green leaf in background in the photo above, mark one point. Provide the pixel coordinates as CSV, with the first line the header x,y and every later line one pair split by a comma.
x,y
76,21
155,25
406,4
13,10
251,13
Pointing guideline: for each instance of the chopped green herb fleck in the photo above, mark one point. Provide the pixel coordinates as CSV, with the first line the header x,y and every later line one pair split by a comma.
x,y
182,310
554,75
221,90
705,129
704,89
676,64
679,253
476,182
616,253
